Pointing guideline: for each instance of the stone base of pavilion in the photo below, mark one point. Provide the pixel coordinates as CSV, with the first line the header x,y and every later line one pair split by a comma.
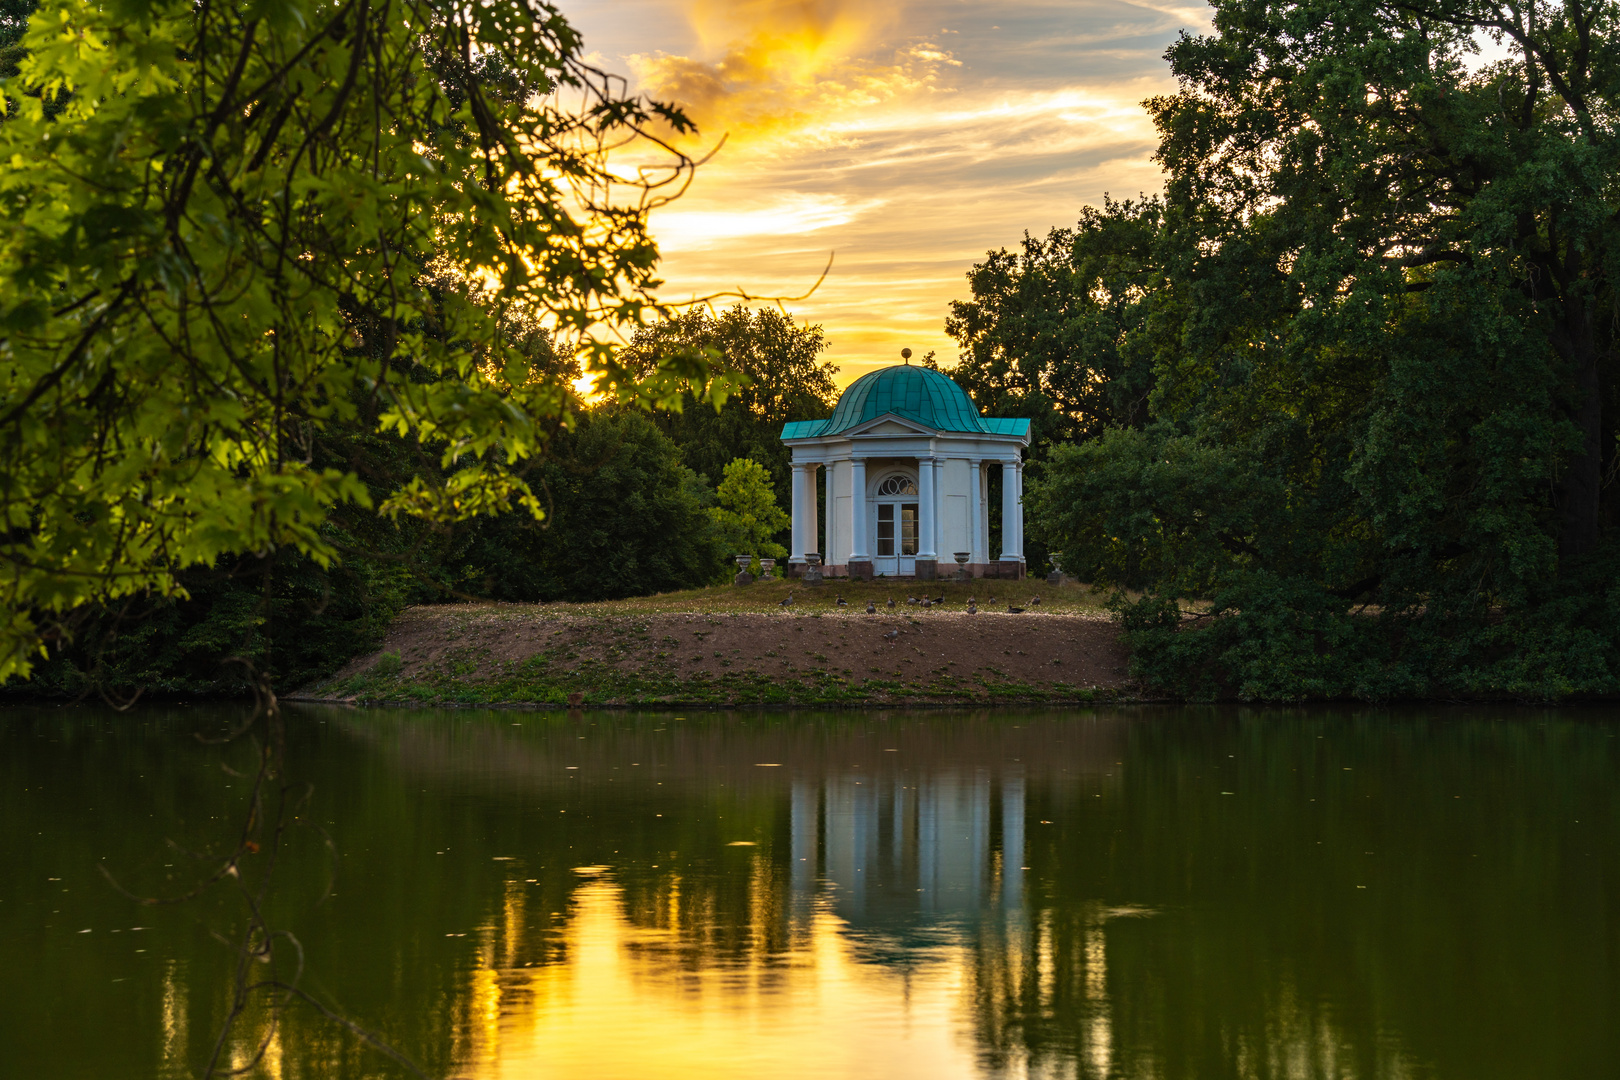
x,y
1008,570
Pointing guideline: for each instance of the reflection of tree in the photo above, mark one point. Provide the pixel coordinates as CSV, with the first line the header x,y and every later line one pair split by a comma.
x,y
1162,930
1178,932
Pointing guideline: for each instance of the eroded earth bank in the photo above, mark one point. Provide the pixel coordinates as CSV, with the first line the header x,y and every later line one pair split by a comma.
x,y
488,654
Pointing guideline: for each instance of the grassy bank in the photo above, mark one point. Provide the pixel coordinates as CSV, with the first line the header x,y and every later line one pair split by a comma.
x,y
742,646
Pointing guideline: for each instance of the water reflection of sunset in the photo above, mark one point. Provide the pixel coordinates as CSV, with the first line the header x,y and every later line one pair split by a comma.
x,y
862,959
593,894
625,1005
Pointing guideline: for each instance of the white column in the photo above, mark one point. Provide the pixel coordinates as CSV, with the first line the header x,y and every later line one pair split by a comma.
x,y
939,509
810,532
975,510
857,510
984,512
796,549
828,555
1018,474
926,510
1009,511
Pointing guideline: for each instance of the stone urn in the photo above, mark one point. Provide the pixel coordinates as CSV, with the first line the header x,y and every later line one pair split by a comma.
x,y
743,576
765,568
812,569
961,564
1056,576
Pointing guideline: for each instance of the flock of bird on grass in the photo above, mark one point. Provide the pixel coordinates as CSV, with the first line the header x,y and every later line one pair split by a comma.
x,y
914,601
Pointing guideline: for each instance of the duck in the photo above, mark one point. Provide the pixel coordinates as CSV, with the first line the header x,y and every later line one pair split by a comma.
x,y
842,602
871,608
786,601
891,635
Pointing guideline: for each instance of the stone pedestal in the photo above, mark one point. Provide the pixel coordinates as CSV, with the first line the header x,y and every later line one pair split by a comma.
x,y
927,569
744,578
962,571
810,572
860,570
1056,578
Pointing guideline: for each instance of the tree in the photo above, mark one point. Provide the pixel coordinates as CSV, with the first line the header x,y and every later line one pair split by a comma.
x,y
624,518
227,229
748,516
782,380
1499,182
299,621
1376,453
1059,331
13,24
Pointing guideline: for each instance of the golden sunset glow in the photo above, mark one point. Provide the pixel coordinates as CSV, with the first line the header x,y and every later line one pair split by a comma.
x,y
904,140
720,1021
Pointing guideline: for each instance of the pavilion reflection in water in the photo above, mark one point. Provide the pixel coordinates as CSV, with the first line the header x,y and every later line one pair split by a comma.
x,y
900,846
822,920
929,873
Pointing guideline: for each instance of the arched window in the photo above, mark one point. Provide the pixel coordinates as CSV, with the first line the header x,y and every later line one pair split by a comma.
x,y
897,485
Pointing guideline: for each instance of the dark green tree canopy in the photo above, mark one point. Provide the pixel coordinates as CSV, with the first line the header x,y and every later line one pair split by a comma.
x,y
1381,444
782,378
1058,331
625,517
1345,169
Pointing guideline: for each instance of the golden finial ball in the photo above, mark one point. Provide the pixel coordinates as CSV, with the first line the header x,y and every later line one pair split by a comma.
x,y
905,354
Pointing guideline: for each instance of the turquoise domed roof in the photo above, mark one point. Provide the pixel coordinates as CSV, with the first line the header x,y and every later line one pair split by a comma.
x,y
922,395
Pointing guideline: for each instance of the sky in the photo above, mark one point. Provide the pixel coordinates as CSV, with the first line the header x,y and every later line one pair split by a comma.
x,y
903,140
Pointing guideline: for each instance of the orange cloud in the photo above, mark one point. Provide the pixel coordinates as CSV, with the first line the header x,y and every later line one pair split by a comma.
x,y
907,136
781,65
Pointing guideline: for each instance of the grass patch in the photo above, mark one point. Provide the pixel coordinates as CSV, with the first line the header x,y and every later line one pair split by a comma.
x,y
766,596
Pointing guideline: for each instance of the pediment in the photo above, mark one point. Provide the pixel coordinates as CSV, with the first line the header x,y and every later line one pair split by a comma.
x,y
889,424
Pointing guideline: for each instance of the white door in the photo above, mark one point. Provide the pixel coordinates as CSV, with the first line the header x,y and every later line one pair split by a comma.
x,y
895,538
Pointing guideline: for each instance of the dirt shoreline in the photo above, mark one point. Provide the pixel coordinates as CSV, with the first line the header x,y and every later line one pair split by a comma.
x,y
558,655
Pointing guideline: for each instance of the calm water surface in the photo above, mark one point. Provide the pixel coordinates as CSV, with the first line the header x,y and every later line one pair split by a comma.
x,y
1097,893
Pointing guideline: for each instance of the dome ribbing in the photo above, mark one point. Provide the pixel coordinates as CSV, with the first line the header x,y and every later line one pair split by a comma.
x,y
921,395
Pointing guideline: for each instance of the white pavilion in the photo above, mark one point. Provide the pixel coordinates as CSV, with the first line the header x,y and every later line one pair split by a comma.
x,y
906,455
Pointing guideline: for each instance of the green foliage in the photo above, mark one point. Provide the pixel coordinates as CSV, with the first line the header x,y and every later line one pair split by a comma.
x,y
1064,332
227,230
748,516
624,518
1380,449
781,381
292,619
1059,331
13,24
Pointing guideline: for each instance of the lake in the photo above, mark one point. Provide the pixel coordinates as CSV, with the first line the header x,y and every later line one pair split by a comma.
x,y
1120,892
